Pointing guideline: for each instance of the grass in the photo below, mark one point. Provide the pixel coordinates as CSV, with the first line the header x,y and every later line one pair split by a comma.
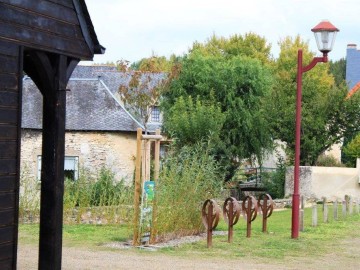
x,y
78,235
274,246
277,245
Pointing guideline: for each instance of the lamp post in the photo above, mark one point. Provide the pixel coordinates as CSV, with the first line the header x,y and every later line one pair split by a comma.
x,y
325,34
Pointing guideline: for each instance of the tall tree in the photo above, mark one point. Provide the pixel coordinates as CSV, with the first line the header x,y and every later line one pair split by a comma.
x,y
353,148
192,121
338,70
326,113
250,45
238,84
145,87
155,64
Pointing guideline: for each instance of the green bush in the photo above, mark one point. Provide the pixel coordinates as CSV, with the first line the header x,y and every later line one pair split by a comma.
x,y
274,182
103,192
188,177
328,161
101,197
29,198
78,193
104,199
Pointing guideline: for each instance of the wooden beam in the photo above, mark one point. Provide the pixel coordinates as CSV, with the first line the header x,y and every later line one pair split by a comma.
x,y
52,169
137,192
53,153
153,231
10,140
146,162
152,137
37,65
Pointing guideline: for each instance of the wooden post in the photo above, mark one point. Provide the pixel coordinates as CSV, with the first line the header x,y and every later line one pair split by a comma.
x,y
302,202
326,213
351,202
302,212
344,209
301,220
156,178
314,215
335,210
146,161
347,199
137,192
52,169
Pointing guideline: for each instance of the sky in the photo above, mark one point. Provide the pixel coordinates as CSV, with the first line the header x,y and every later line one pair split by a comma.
x,y
135,29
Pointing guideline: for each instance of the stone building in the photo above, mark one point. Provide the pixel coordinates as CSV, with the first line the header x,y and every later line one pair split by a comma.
x,y
100,132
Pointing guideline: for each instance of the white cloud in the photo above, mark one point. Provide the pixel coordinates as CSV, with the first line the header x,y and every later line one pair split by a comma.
x,y
133,29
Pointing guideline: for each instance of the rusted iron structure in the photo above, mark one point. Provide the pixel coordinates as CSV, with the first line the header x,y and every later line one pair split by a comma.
x,y
46,39
249,208
266,205
210,214
231,213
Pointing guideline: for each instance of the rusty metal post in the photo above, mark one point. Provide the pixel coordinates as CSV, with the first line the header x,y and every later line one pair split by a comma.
x,y
249,207
209,222
266,207
210,217
231,213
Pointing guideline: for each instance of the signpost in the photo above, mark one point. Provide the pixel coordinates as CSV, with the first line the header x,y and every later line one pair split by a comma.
x,y
144,194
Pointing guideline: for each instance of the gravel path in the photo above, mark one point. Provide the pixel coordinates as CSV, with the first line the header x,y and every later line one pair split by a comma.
x,y
81,259
120,258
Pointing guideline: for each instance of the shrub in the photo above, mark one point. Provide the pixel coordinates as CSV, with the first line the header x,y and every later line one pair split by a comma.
x,y
328,161
29,198
188,177
102,198
78,193
103,191
274,182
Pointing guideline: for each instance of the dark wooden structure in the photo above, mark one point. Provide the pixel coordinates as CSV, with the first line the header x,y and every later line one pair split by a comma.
x,y
46,39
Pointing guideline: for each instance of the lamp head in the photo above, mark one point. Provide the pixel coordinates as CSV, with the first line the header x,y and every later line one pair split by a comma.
x,y
325,34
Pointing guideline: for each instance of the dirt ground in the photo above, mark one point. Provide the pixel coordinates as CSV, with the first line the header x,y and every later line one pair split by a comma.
x,y
81,259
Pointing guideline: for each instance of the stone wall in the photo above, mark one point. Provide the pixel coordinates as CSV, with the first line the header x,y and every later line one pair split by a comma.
x,y
329,182
115,150
305,181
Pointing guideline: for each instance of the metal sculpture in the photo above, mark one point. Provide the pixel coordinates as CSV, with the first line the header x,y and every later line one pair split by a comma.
x,y
249,207
266,205
231,212
210,217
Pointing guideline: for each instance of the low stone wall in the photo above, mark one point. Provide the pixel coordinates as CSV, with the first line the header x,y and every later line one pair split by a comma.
x,y
329,182
282,203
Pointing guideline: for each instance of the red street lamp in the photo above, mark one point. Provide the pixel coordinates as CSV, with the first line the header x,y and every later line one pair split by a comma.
x,y
325,34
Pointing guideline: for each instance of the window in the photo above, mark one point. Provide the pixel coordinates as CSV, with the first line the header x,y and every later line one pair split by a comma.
x,y
71,168
155,114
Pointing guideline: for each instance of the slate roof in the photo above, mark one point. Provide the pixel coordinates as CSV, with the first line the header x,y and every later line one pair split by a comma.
x,y
90,104
113,79
109,74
